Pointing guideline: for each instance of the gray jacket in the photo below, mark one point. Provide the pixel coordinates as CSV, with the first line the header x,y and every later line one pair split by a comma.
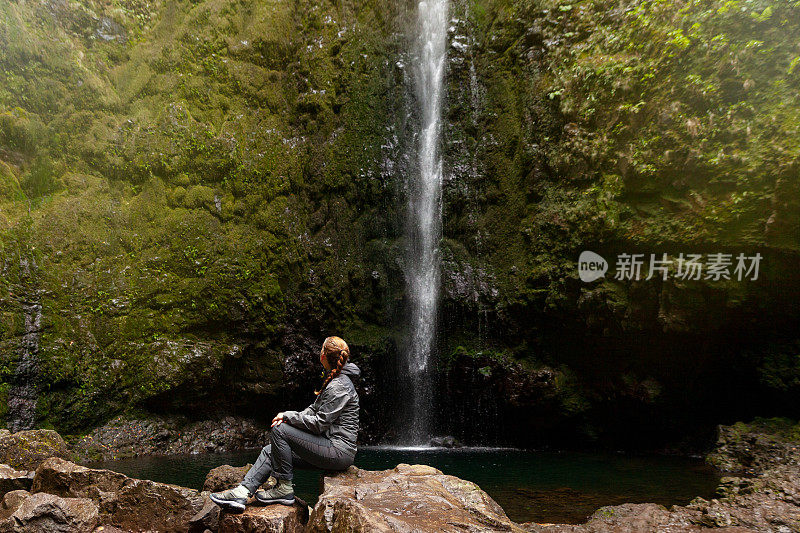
x,y
334,414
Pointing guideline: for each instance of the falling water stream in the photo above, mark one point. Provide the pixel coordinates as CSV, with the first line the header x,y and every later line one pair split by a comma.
x,y
424,218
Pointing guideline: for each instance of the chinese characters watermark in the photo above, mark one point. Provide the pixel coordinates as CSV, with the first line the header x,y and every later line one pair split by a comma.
x,y
711,267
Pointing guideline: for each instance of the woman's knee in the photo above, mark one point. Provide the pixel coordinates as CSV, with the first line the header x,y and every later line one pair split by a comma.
x,y
278,431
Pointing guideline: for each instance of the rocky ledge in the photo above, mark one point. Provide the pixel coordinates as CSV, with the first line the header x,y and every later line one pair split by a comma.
x,y
53,495
126,437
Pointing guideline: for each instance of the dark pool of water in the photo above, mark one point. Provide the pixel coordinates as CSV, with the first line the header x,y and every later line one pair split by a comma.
x,y
564,487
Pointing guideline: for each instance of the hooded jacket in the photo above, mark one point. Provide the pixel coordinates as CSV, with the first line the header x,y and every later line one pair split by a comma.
x,y
334,414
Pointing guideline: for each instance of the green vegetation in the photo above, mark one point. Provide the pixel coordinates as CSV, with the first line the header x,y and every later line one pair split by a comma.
x,y
187,179
781,429
181,174
650,124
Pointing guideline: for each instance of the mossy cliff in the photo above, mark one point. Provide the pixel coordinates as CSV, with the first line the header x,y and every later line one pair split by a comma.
x,y
198,191
187,179
624,127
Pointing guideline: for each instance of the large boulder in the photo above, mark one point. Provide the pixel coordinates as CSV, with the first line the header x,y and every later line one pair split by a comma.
x,y
224,477
13,479
64,478
26,449
132,504
408,498
267,519
46,513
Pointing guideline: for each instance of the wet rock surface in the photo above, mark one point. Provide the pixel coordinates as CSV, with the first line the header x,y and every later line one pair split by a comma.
x,y
445,442
23,395
159,290
171,435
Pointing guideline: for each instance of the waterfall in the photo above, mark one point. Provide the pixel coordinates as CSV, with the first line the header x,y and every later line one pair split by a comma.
x,y
424,219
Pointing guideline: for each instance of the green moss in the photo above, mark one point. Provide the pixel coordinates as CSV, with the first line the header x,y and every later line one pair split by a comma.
x,y
216,169
180,176
606,512
199,196
782,429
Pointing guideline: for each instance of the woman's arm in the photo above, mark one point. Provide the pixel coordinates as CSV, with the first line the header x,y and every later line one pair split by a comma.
x,y
320,420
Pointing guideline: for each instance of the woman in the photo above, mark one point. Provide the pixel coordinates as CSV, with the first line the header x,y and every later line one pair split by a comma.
x,y
322,436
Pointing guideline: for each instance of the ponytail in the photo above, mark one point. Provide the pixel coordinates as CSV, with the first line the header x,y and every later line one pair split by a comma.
x,y
337,353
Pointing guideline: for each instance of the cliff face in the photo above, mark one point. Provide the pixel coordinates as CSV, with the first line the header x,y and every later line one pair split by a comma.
x,y
196,193
623,127
191,180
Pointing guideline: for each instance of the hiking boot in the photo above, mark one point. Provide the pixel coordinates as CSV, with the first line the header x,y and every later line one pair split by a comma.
x,y
282,493
233,500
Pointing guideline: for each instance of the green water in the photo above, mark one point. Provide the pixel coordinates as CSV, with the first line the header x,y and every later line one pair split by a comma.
x,y
563,487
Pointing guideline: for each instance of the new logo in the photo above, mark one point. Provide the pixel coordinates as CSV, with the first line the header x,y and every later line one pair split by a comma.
x,y
591,266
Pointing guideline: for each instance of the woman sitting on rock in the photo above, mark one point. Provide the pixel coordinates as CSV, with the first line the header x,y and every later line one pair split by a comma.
x,y
322,436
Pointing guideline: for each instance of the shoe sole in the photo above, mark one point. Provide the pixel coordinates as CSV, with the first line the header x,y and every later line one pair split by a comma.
x,y
282,501
228,505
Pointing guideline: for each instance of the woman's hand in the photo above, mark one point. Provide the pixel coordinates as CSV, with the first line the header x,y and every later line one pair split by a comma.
x,y
277,420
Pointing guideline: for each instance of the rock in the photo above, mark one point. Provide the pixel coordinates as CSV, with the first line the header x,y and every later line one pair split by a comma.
x,y
124,502
12,500
405,499
267,519
206,519
12,479
634,518
26,449
169,435
47,513
756,447
445,442
769,502
626,518
64,478
224,477
154,506
110,30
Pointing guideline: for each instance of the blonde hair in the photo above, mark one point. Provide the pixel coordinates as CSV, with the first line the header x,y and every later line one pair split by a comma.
x,y
337,353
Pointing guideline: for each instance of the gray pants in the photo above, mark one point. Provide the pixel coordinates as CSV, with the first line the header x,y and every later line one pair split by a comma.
x,y
289,447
